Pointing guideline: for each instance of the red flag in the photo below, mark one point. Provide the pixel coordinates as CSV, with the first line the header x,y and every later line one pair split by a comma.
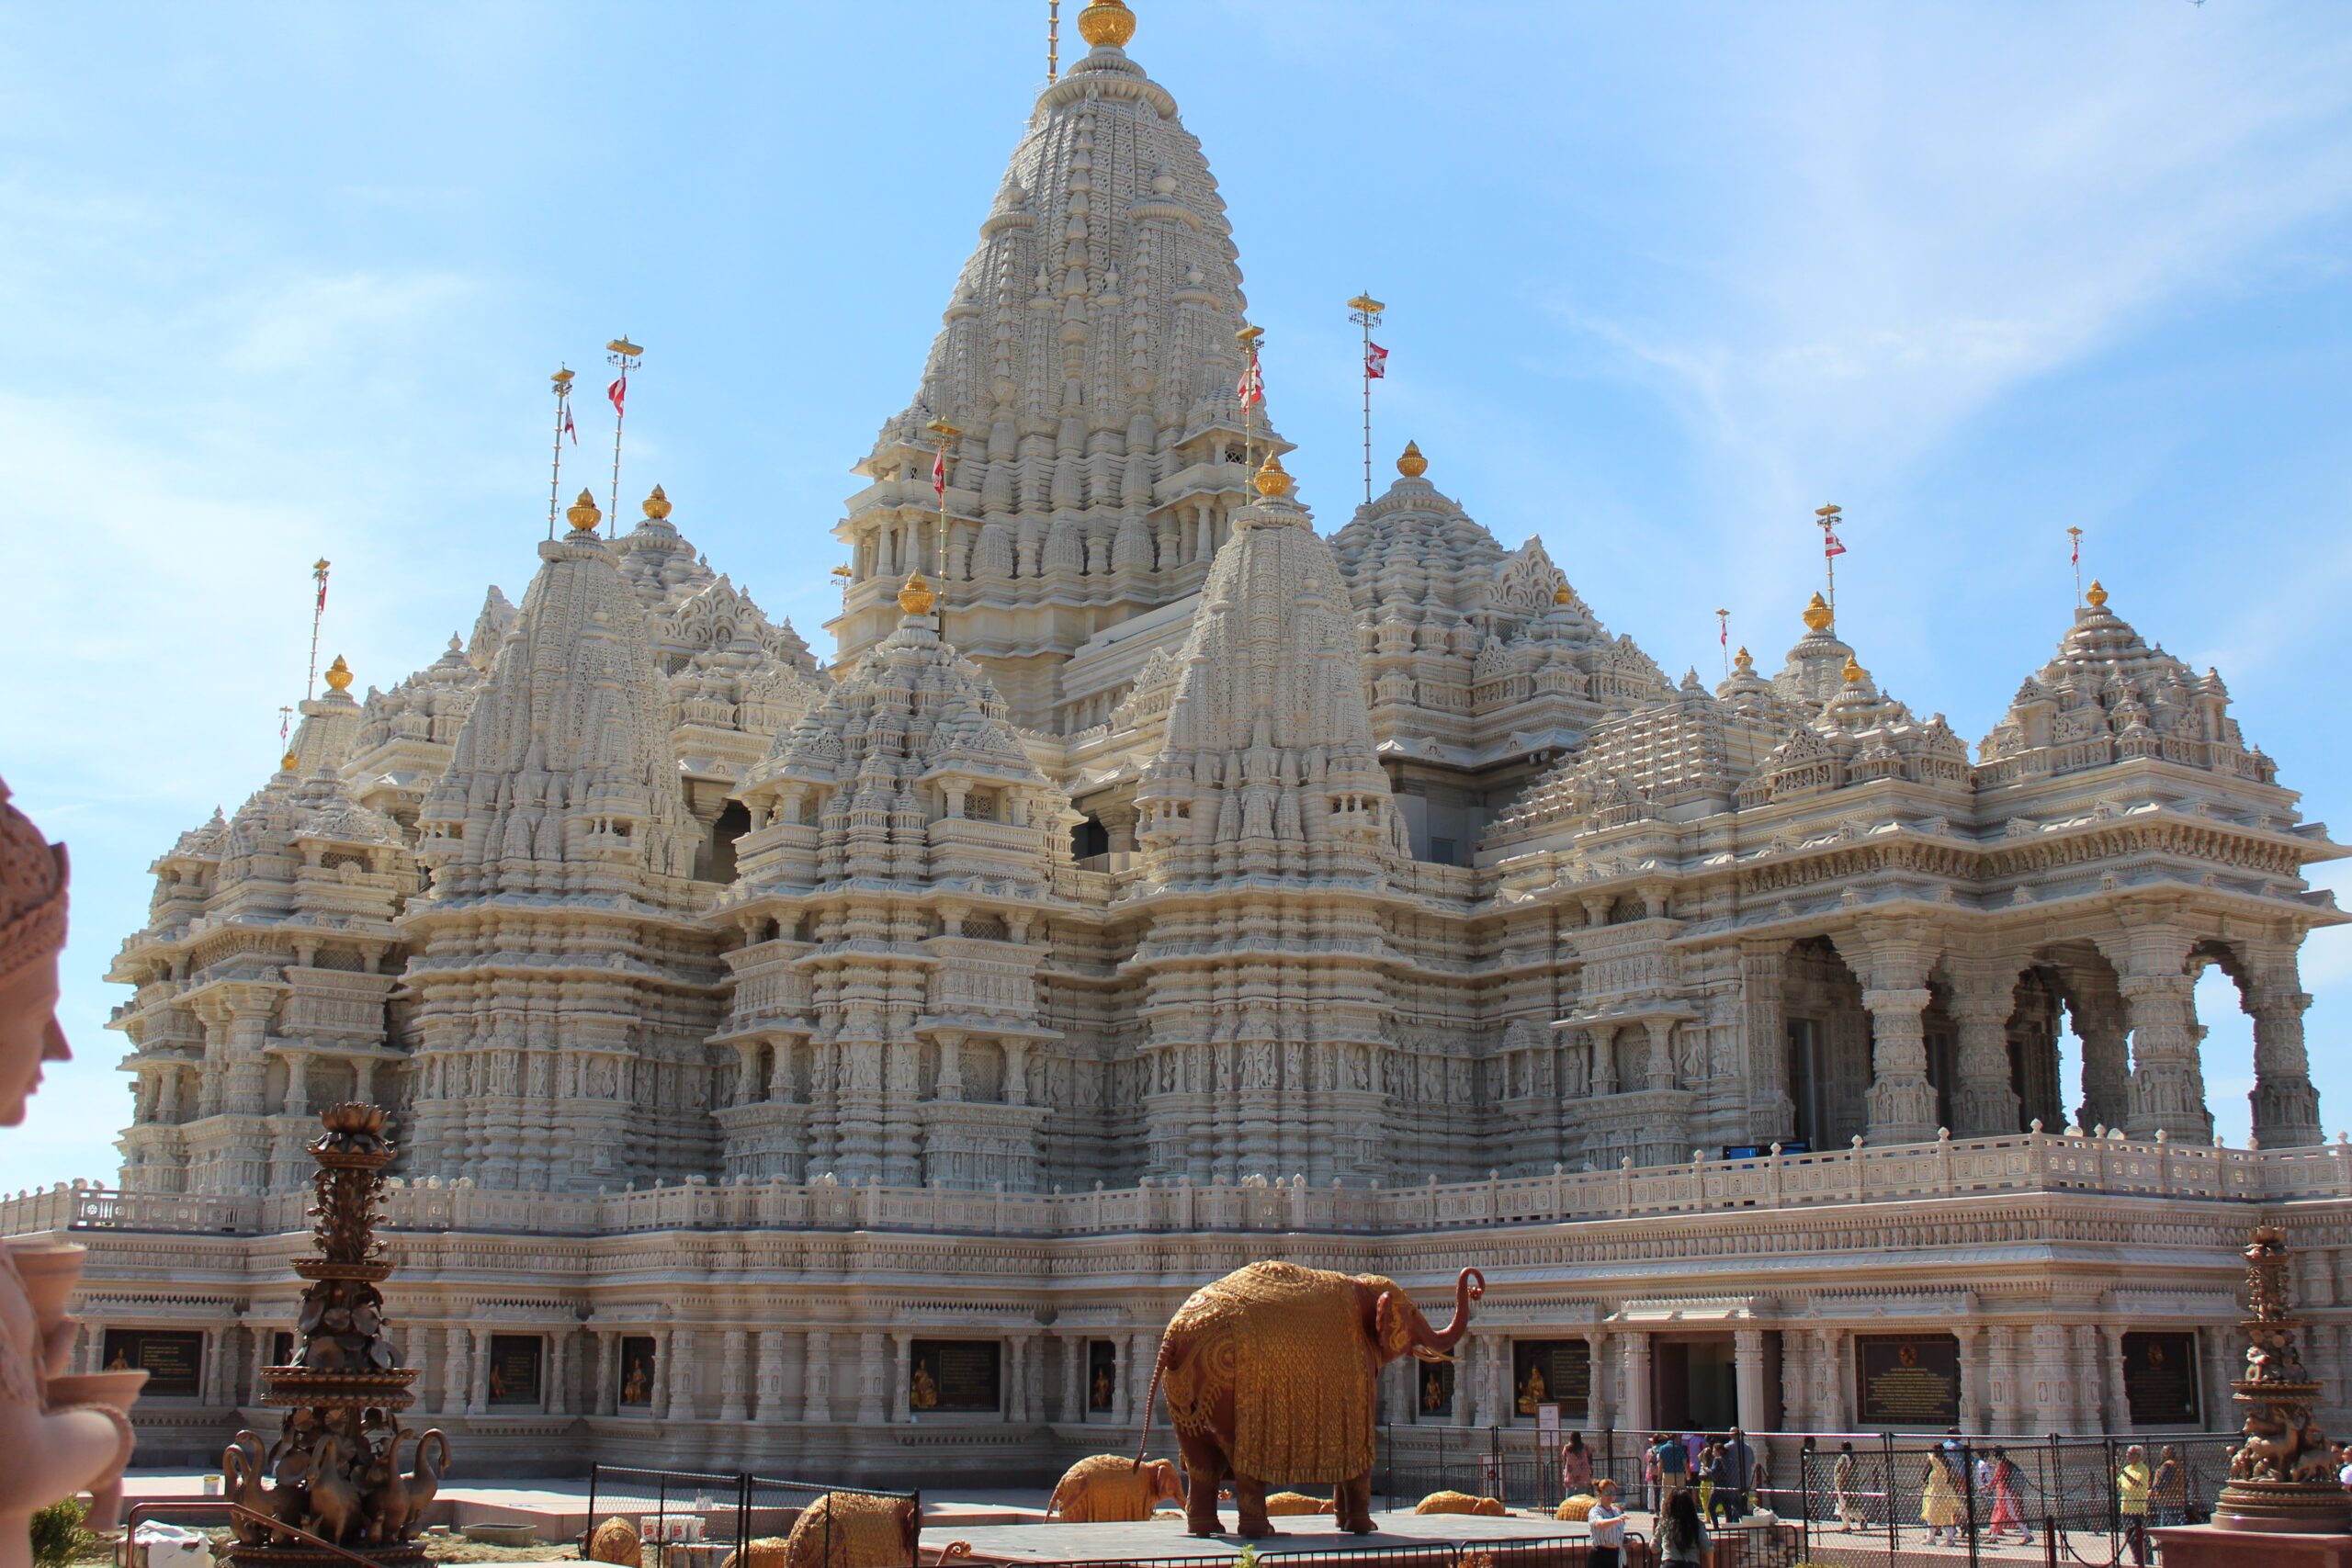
x,y
618,392
568,428
939,474
1374,358
2077,556
1251,388
1830,545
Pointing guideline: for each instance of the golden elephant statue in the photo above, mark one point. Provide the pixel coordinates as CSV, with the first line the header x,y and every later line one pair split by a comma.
x,y
616,1540
1575,1509
1293,1505
1272,1374
1460,1503
1104,1489
858,1529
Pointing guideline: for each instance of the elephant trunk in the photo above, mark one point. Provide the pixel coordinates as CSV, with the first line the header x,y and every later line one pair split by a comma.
x,y
1468,1288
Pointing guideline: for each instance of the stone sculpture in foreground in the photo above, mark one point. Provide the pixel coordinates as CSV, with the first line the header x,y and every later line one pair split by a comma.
x,y
59,1435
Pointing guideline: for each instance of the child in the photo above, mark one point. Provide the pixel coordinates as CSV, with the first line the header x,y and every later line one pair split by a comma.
x,y
1606,1524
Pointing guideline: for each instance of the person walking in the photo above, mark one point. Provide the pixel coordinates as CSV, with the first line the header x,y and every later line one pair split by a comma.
x,y
1681,1539
1737,1476
1940,1502
2001,1484
2131,1486
2169,1493
1842,1483
1575,1466
1673,1468
1652,1477
1702,1471
1605,1529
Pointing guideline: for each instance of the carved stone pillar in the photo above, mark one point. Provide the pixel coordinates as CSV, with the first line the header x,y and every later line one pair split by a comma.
x,y
873,1370
1143,1353
1633,1385
2168,1083
1763,974
1748,1380
1659,1068
608,1349
734,1370
2286,1106
1118,1379
258,1337
682,1374
1597,1410
454,1382
2107,1076
478,1395
1984,996
1902,1103
561,1345
902,1391
1073,1378
949,1084
817,1378
1826,1411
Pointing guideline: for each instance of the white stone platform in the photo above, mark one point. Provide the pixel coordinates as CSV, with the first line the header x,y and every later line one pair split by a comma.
x,y
1162,1536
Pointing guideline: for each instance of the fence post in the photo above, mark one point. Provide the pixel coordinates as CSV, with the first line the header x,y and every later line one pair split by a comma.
x,y
594,1472
661,1518
1894,1531
1967,1479
743,1516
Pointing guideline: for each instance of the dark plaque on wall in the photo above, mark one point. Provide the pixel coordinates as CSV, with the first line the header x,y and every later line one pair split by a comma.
x,y
1907,1379
1551,1372
1102,1377
956,1376
638,1366
1435,1387
2160,1379
172,1359
514,1369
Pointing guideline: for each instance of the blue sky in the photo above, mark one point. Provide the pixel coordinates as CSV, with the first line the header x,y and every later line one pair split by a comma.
x,y
286,281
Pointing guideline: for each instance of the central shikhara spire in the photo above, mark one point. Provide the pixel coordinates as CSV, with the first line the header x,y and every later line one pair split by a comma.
x,y
1139,830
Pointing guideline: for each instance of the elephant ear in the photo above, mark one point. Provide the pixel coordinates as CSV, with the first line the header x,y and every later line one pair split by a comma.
x,y
1393,1330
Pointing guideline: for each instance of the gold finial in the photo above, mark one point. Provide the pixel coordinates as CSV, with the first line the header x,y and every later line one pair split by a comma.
x,y
583,514
625,348
1564,595
915,597
1248,337
1816,614
286,764
2097,595
1107,22
1853,670
562,379
1742,662
657,505
1273,480
339,675
842,572
1411,463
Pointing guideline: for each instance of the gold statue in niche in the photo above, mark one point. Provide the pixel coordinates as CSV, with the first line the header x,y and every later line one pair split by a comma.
x,y
922,1390
1531,1392
1102,1400
637,1387
1432,1390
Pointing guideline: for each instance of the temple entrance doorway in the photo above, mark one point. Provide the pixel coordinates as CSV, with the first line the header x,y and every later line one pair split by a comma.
x,y
1693,1387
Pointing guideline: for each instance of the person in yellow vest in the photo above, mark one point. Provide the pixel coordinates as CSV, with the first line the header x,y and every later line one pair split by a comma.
x,y
2131,1484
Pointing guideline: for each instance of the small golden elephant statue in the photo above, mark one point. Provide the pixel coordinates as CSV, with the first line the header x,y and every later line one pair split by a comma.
x,y
1113,1489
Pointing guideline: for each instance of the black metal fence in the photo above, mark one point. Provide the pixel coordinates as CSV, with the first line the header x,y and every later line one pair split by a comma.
x,y
1561,1552
695,1519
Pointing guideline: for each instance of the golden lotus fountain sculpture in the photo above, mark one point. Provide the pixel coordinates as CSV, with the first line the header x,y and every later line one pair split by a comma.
x,y
333,1473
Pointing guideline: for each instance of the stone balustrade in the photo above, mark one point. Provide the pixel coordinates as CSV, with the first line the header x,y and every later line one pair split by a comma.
x,y
2017,1163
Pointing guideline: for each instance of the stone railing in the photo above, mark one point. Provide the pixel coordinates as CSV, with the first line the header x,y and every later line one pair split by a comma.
x,y
1949,1168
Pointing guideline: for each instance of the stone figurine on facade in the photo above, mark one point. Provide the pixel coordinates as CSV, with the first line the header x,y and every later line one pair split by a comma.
x,y
58,1433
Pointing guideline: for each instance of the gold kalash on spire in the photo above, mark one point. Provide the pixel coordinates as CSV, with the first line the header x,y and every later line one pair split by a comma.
x,y
1107,23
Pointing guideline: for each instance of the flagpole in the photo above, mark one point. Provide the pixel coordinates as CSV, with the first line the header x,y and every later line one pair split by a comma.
x,y
562,379
945,434
1053,51
1254,380
1364,311
628,357
318,613
1828,515
2077,535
